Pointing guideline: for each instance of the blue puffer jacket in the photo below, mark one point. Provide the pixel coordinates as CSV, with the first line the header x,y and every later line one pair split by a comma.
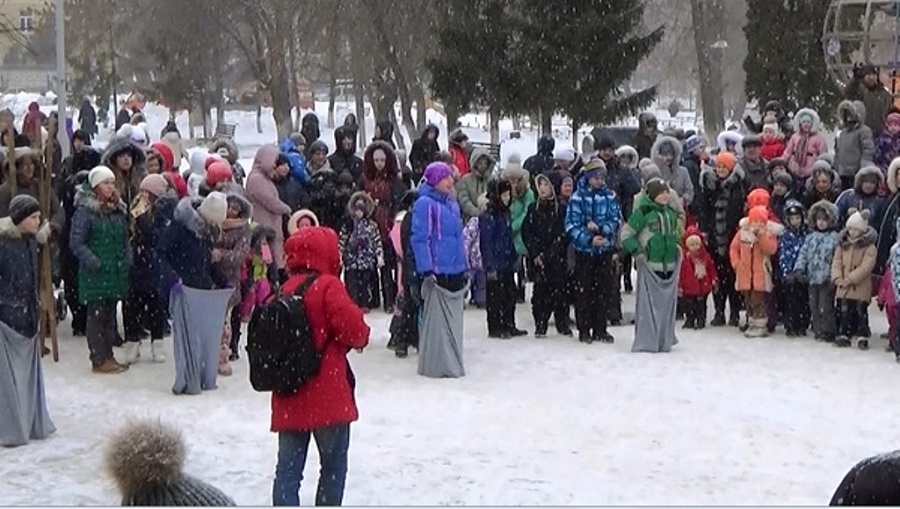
x,y
498,252
437,233
815,256
599,206
789,245
297,159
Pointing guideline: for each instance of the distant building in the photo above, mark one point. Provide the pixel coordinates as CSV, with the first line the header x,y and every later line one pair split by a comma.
x,y
18,21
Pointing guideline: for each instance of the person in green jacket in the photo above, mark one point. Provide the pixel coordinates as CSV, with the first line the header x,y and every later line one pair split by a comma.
x,y
99,239
652,233
474,184
523,197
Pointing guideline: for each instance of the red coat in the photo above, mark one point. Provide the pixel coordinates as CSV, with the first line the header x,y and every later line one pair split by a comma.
x,y
690,285
337,325
772,149
460,160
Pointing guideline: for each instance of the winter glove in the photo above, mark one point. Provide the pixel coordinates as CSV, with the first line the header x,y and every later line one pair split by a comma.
x,y
492,276
43,235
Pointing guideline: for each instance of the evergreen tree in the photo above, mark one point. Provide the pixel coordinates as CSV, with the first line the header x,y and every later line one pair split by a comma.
x,y
784,58
581,53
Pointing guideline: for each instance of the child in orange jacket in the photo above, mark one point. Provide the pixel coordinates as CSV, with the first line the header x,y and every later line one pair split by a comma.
x,y
752,249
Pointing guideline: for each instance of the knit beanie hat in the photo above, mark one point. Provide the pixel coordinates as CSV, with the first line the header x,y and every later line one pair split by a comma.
x,y
513,167
758,198
655,187
783,177
458,136
21,207
859,220
298,139
436,172
775,163
99,175
727,160
146,459
214,208
751,140
693,143
770,126
596,167
604,142
758,214
155,184
318,146
821,165
217,172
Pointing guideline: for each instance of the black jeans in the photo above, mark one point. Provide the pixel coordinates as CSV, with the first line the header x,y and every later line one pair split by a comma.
x,y
388,275
101,330
549,298
144,309
69,269
501,303
596,279
851,313
235,329
695,310
362,285
795,311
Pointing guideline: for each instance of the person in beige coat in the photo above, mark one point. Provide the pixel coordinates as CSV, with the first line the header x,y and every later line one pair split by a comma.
x,y
851,273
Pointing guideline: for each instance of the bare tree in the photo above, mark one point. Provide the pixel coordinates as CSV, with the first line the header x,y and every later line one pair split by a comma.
x,y
710,43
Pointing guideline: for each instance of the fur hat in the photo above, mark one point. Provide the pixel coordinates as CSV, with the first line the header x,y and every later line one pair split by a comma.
x,y
775,163
858,220
751,140
100,174
648,169
821,165
318,146
758,214
146,459
214,208
655,187
782,177
693,143
604,142
21,207
155,184
294,222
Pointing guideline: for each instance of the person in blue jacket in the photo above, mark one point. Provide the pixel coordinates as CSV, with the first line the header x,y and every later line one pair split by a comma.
x,y
294,147
437,230
498,257
593,219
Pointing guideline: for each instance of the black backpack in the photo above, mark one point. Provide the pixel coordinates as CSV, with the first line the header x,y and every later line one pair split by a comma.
x,y
280,344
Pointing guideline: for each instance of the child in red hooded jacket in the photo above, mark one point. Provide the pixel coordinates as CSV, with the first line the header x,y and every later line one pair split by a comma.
x,y
697,279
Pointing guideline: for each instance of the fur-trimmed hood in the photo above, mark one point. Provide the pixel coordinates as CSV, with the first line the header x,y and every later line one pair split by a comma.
x,y
478,153
816,121
391,168
8,230
867,239
893,175
186,214
709,179
229,145
259,232
730,136
775,228
361,196
855,110
628,150
868,171
118,146
830,210
246,213
657,146
835,178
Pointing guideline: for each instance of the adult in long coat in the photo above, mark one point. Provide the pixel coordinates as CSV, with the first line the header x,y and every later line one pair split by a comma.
x,y
268,209
344,158
324,406
425,150
87,118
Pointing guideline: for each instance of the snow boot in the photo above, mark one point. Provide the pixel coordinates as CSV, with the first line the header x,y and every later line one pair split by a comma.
x,y
585,337
564,331
156,351
540,331
401,352
718,320
517,333
735,320
224,367
842,342
604,337
109,367
132,352
863,344
689,323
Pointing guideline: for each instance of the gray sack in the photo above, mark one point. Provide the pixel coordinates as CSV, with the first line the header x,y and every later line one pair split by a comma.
x,y
654,316
198,320
441,331
24,414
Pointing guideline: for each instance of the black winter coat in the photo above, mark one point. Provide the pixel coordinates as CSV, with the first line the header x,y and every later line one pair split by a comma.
x,y
19,304
543,161
498,253
186,247
323,200
424,151
721,209
544,235
871,482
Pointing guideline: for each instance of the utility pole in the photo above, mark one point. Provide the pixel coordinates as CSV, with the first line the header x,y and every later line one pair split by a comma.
x,y
61,81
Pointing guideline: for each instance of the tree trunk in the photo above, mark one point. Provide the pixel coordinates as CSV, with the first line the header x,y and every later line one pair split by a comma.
x,y
360,99
258,116
452,117
706,16
332,97
421,108
494,122
295,85
546,121
517,123
220,97
398,135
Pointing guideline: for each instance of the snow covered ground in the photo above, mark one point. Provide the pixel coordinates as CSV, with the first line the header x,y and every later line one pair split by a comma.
x,y
722,420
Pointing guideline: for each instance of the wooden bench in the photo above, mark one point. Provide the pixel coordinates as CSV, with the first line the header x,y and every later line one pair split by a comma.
x,y
225,131
493,150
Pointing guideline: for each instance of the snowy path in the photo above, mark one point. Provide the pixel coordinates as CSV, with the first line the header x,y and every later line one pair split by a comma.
x,y
721,421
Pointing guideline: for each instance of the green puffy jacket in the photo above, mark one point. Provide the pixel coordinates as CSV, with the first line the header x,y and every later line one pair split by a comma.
x,y
653,230
518,209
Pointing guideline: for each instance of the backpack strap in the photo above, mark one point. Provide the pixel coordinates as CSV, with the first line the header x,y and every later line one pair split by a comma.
x,y
310,279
